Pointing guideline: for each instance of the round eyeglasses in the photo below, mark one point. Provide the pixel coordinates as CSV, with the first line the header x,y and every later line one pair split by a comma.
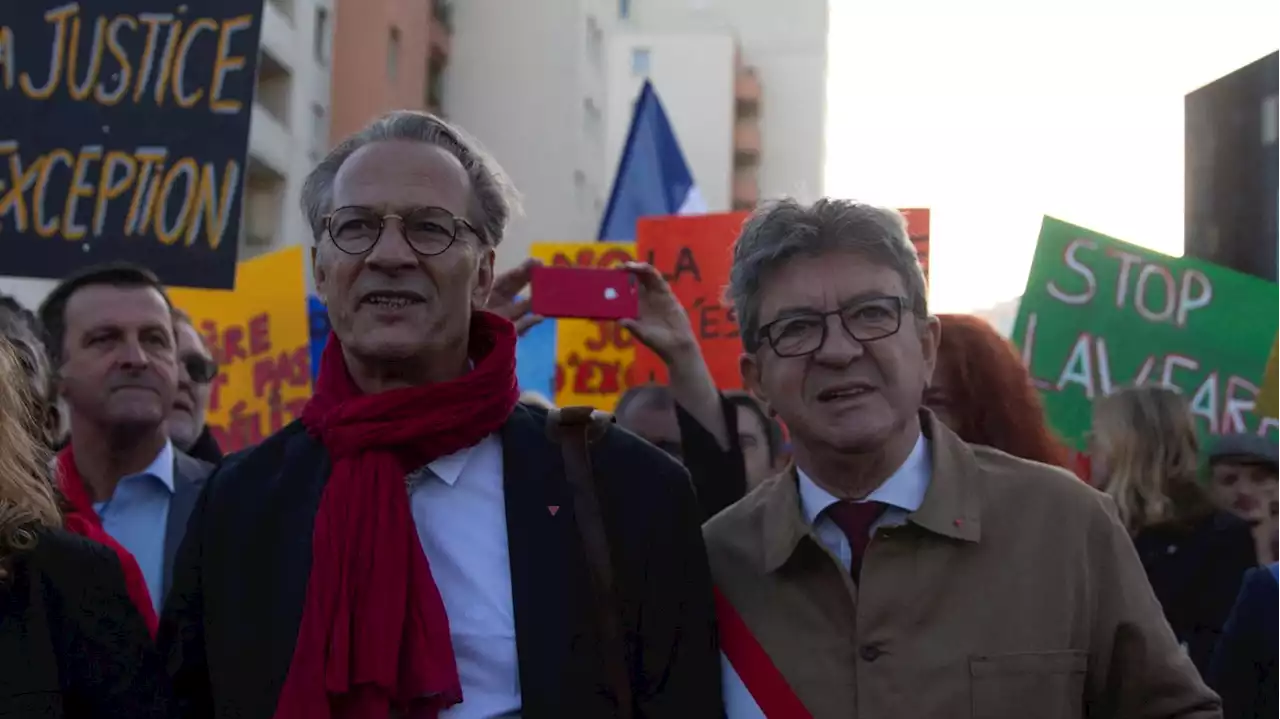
x,y
428,230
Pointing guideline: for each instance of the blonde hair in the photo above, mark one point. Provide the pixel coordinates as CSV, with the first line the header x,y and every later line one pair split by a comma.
x,y
27,497
1147,438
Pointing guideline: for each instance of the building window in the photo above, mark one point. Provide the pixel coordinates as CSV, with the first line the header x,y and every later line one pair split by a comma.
x,y
320,41
1270,120
393,54
624,9
639,61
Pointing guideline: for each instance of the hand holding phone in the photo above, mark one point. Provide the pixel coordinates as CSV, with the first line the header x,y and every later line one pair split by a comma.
x,y
584,293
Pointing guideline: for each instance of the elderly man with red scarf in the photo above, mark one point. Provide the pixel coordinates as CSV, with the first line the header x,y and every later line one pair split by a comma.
x,y
410,547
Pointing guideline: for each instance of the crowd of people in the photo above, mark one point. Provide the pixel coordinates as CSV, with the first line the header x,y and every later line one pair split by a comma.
x,y
883,524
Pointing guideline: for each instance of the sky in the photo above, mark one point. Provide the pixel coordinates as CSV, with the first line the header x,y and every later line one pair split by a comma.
x,y
995,113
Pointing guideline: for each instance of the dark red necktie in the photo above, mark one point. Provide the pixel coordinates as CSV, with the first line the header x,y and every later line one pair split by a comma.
x,y
855,520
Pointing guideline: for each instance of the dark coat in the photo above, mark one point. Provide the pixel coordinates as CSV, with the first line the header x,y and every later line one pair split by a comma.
x,y
232,621
1195,569
72,644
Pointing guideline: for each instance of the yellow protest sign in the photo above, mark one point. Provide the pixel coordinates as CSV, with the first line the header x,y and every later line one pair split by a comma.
x,y
259,335
1267,400
594,359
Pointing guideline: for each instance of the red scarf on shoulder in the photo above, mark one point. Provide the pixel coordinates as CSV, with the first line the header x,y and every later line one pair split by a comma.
x,y
80,518
374,634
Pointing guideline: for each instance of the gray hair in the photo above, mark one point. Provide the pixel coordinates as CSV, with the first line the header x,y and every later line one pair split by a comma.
x,y
493,198
781,231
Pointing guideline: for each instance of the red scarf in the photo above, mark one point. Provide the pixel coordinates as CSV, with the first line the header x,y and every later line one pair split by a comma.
x,y
374,633
80,518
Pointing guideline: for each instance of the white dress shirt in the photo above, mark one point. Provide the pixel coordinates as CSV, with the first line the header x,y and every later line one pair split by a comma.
x,y
459,510
903,491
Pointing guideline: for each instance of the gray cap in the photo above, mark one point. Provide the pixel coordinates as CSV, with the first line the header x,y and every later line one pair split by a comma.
x,y
1248,448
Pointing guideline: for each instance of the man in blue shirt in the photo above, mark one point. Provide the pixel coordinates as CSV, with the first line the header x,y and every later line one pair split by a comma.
x,y
110,336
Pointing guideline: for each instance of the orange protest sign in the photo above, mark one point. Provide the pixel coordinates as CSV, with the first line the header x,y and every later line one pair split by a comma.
x,y
694,254
259,335
593,358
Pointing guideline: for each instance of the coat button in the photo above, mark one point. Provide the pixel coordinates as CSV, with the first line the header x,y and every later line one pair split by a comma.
x,y
870,652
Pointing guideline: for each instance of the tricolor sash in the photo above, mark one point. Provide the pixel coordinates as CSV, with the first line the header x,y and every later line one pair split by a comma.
x,y
753,687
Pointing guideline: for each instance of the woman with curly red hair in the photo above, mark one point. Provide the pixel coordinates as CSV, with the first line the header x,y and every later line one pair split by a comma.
x,y
983,392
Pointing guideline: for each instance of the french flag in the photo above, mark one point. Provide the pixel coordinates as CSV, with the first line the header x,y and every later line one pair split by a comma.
x,y
653,178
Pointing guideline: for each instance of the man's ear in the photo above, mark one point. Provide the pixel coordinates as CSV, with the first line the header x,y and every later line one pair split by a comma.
x,y
319,273
484,278
749,366
930,337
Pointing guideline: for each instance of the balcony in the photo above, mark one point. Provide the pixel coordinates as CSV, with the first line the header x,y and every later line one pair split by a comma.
x,y
746,189
746,86
264,192
746,141
440,31
274,89
270,142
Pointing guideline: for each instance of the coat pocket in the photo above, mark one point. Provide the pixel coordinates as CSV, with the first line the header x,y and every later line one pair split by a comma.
x,y
1048,685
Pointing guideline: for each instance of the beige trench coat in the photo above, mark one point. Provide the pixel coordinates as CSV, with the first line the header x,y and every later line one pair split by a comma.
x,y
1012,593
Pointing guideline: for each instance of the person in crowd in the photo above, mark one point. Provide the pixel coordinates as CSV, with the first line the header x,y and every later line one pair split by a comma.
x,y
110,336
652,411
71,643
1243,669
689,418
196,372
983,392
1145,456
409,545
1242,480
21,328
898,571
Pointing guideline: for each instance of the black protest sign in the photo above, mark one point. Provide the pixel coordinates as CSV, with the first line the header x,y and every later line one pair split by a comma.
x,y
124,126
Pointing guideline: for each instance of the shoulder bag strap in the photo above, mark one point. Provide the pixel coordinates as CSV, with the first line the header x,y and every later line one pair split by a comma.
x,y
575,428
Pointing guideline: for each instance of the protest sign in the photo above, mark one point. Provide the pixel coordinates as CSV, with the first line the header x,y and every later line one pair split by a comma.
x,y
918,231
1099,314
1267,400
318,329
258,334
123,135
694,254
593,358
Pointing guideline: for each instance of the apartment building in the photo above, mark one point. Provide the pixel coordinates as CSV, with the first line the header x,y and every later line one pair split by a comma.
x,y
780,84
388,55
712,99
289,131
528,79
549,87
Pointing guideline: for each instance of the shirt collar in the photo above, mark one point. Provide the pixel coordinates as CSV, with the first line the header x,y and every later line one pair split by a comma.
x,y
161,467
904,489
449,467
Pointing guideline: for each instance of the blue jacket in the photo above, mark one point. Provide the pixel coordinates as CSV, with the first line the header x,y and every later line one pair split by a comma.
x,y
1243,670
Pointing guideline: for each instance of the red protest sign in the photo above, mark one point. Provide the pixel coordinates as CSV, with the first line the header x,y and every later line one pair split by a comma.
x,y
694,254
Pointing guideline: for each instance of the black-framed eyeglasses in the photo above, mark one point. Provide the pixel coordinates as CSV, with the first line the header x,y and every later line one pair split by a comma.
x,y
428,230
199,368
867,320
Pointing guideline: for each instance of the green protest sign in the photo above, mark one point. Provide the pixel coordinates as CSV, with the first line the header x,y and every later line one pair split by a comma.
x,y
1099,314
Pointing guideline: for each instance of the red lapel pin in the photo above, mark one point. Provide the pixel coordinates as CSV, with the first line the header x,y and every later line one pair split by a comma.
x,y
553,508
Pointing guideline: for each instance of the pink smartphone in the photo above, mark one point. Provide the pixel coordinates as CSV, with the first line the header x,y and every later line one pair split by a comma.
x,y
584,292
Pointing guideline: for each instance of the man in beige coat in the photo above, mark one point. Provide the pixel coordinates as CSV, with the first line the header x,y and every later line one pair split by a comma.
x,y
896,571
